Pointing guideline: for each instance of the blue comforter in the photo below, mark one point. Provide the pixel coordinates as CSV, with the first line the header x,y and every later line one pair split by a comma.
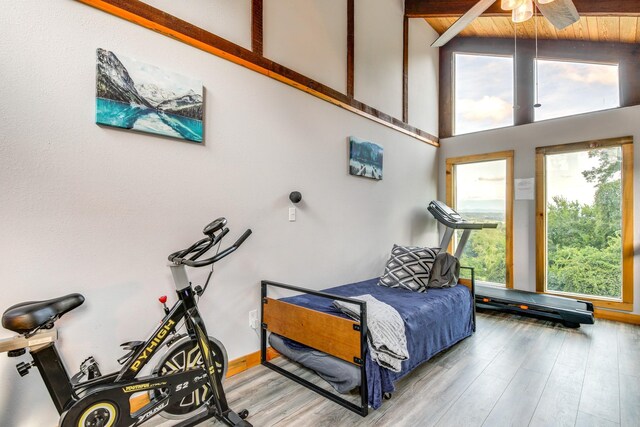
x,y
434,321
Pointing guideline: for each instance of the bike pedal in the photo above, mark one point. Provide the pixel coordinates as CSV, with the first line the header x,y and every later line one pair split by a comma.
x,y
90,368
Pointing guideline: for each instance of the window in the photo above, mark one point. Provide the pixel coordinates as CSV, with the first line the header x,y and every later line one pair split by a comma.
x,y
568,88
483,92
585,211
480,188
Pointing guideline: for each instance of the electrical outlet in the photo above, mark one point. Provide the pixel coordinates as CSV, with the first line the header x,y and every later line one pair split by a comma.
x,y
292,214
253,319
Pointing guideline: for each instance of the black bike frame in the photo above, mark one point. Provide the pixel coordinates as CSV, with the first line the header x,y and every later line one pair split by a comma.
x,y
65,395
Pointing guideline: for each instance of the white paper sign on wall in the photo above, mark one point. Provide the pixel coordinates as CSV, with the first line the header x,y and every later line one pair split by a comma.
x,y
524,188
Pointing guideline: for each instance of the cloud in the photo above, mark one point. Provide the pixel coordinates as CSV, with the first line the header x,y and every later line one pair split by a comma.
x,y
491,108
582,73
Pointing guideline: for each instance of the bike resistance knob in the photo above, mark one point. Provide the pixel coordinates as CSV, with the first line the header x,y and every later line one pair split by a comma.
x,y
163,299
23,368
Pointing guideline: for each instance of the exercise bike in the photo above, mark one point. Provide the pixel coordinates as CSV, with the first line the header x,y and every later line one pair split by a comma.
x,y
186,384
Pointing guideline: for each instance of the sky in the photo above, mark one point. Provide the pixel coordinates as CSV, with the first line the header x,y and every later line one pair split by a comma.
x,y
481,186
564,175
484,90
568,88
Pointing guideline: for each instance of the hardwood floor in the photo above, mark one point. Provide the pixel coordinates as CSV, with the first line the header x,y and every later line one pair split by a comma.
x,y
513,372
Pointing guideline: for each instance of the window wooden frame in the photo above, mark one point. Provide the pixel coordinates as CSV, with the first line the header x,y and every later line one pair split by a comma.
x,y
626,144
451,197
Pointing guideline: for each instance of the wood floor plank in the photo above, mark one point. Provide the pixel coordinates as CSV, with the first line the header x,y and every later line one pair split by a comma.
x,y
629,400
601,395
438,393
629,349
544,352
518,402
603,351
558,405
575,347
508,362
475,403
588,420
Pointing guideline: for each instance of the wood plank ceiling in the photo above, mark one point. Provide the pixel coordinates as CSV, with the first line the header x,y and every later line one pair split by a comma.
x,y
623,29
601,20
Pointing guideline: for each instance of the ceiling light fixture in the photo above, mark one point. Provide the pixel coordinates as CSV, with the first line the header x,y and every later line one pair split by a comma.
x,y
511,4
544,1
522,13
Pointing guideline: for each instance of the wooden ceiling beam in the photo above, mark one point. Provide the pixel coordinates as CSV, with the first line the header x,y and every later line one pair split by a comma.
x,y
452,8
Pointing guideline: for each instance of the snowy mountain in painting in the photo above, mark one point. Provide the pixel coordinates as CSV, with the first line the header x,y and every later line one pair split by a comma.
x,y
189,105
113,80
154,93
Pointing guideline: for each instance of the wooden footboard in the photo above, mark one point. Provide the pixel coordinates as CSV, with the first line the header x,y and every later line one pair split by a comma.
x,y
333,335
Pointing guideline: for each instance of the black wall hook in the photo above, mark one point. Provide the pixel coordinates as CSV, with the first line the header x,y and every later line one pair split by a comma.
x,y
295,196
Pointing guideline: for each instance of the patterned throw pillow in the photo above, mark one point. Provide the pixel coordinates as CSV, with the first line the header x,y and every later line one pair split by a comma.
x,y
408,268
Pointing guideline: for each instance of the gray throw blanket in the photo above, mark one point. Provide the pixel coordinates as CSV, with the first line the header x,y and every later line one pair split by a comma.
x,y
386,336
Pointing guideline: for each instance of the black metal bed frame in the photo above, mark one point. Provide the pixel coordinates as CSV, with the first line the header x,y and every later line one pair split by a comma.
x,y
363,408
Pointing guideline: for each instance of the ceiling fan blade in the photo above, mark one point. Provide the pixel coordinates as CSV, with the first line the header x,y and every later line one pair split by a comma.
x,y
561,13
477,10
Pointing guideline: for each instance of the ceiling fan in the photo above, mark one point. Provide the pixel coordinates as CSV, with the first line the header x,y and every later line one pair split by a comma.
x,y
561,14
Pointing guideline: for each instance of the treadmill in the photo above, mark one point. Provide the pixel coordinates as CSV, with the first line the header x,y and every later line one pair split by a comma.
x,y
568,311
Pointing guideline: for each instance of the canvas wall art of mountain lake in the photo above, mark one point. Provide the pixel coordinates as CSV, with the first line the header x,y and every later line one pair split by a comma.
x,y
133,95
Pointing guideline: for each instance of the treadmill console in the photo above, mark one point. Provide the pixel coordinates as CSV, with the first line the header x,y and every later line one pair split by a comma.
x,y
445,211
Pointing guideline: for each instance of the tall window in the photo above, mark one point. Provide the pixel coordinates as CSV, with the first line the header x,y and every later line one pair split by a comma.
x,y
585,214
483,87
480,188
567,88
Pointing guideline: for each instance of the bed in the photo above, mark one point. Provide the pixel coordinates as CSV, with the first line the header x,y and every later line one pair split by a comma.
x,y
308,329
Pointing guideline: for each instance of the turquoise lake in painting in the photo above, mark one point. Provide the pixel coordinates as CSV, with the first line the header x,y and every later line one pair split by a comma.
x,y
145,119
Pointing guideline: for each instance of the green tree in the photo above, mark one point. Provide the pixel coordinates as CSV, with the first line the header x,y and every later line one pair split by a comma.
x,y
485,252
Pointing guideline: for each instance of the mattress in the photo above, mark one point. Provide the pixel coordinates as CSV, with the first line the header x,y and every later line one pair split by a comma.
x,y
434,321
343,376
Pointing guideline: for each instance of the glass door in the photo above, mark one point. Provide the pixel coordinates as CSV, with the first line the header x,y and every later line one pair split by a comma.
x,y
481,190
584,208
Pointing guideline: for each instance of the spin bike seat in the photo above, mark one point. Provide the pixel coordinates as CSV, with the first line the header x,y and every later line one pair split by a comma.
x,y
27,316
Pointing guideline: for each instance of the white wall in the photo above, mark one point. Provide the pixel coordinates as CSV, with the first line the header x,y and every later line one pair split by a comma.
x,y
95,210
229,19
310,37
424,63
378,54
523,140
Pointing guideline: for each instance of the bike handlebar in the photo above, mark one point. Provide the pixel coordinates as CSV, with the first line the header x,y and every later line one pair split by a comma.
x,y
202,246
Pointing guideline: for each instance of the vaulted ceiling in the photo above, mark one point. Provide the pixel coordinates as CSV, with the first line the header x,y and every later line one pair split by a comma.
x,y
601,20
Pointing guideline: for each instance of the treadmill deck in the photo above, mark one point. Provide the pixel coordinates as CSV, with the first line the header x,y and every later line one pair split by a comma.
x,y
525,297
569,311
